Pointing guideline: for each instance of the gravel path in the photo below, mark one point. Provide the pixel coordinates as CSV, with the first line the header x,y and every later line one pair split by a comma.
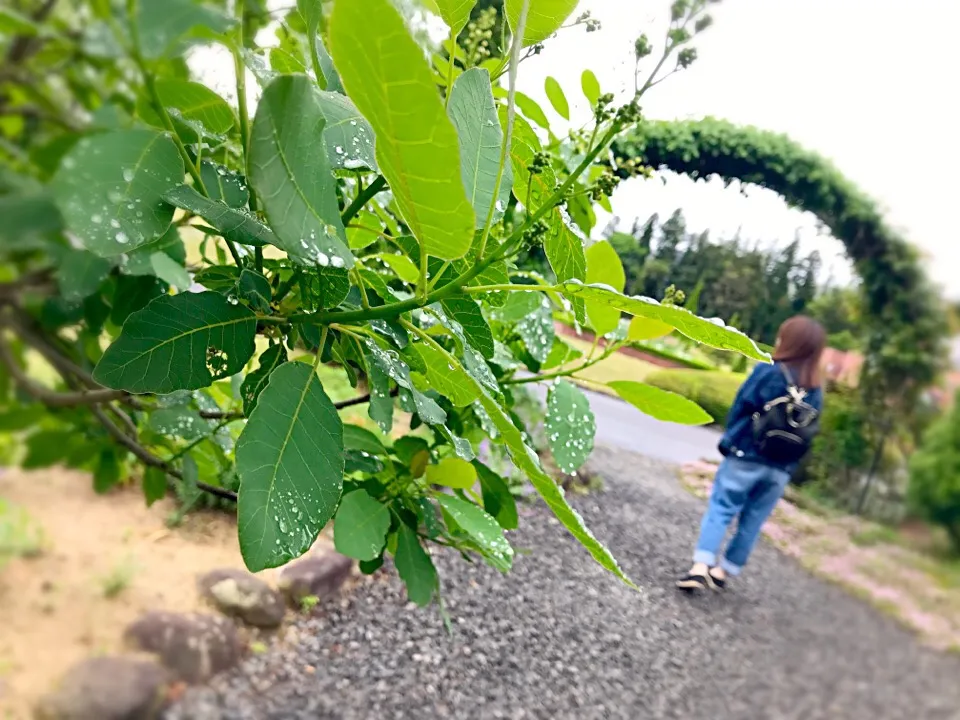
x,y
559,638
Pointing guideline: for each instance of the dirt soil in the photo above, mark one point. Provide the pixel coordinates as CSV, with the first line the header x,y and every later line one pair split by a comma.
x,y
105,560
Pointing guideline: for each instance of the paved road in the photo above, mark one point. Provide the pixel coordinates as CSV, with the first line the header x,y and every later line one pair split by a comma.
x,y
559,638
621,425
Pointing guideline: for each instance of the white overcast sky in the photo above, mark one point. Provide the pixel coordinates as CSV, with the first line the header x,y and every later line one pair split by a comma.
x,y
872,85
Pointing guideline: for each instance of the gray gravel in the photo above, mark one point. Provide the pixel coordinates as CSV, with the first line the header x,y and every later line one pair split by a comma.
x,y
560,638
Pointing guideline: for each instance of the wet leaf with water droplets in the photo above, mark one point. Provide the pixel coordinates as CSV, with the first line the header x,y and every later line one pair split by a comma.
x,y
360,528
362,440
482,529
180,422
235,224
292,175
702,330
570,425
179,342
290,462
415,567
110,188
348,136
254,383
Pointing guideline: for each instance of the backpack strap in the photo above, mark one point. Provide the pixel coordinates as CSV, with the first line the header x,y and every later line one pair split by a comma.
x,y
796,392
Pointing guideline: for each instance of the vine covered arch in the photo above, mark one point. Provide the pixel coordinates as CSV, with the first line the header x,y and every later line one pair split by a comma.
x,y
905,326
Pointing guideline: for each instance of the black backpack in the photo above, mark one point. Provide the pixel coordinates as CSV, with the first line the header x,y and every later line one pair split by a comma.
x,y
785,427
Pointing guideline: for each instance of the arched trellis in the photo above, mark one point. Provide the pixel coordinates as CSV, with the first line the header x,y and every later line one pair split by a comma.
x,y
905,325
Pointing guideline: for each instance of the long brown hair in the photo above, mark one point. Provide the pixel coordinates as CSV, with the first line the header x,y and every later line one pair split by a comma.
x,y
800,344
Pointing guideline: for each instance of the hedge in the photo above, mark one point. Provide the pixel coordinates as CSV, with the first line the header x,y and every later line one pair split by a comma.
x,y
714,391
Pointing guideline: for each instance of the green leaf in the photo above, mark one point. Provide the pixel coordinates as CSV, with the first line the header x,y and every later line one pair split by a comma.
x,y
133,294
159,265
531,108
660,404
563,246
27,216
642,328
556,97
291,173
604,267
452,472
154,485
465,310
560,354
482,529
255,289
390,364
590,86
331,78
81,273
283,62
333,286
179,422
164,23
360,528
179,342
234,223
498,501
362,440
537,332
708,332
444,379
455,13
224,185
195,103
544,17
13,23
110,188
347,134
402,266
417,148
518,306
290,463
106,474
570,425
381,404
415,567
312,13
254,383
474,115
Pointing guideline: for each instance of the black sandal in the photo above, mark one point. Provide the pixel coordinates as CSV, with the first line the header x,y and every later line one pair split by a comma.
x,y
693,581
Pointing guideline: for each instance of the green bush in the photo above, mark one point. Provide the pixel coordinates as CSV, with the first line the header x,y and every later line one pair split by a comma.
x,y
714,391
842,446
934,491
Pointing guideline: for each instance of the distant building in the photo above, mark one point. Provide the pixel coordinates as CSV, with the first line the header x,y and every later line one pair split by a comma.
x,y
841,367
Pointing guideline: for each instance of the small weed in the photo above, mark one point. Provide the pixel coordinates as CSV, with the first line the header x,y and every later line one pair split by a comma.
x,y
871,535
20,535
308,603
258,648
118,579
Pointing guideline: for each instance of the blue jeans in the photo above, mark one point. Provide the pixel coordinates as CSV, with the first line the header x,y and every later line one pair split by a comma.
x,y
748,491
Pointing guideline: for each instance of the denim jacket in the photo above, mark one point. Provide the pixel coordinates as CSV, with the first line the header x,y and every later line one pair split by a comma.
x,y
765,383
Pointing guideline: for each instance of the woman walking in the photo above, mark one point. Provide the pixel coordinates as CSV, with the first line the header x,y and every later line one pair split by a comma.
x,y
769,429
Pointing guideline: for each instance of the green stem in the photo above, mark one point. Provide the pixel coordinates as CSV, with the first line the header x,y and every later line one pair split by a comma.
x,y
443,269
507,287
241,72
362,198
562,373
187,448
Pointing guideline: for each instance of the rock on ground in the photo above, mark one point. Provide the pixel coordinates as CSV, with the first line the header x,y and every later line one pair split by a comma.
x,y
107,688
559,637
239,594
320,574
194,647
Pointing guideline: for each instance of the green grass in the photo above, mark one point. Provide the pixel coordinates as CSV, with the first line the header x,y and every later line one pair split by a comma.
x,y
875,535
616,367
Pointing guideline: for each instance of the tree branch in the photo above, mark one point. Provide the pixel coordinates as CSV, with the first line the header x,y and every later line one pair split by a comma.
x,y
148,458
